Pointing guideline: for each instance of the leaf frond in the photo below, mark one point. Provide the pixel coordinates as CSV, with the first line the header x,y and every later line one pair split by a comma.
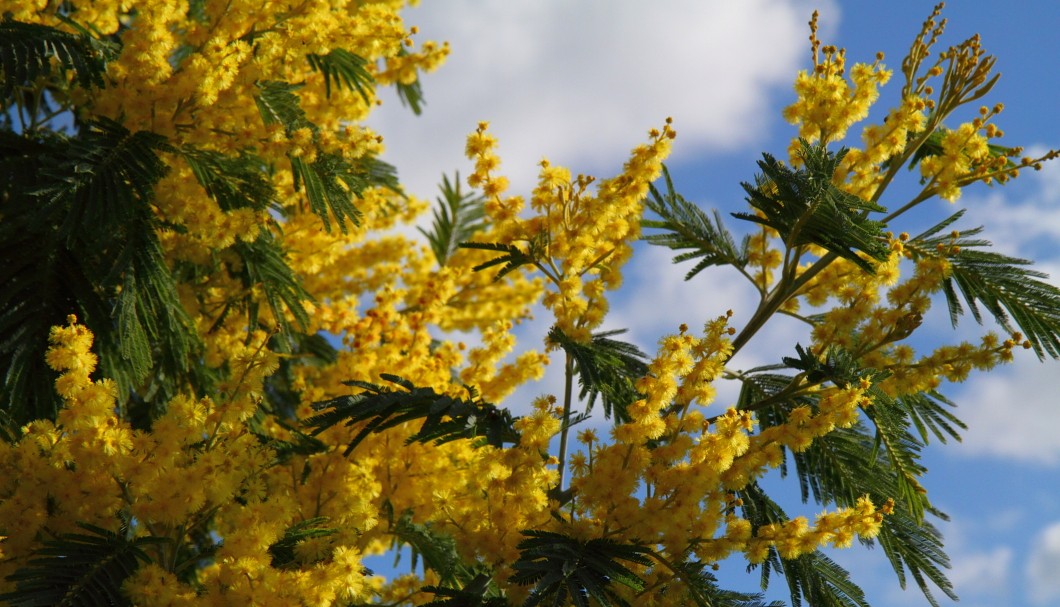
x,y
607,369
1016,296
805,207
444,418
688,228
457,218
82,569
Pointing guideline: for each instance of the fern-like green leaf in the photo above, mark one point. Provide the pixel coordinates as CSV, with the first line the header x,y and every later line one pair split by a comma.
x,y
703,589
445,418
513,257
687,228
458,216
563,569
235,182
437,550
849,463
28,49
79,570
606,368
283,550
278,104
479,592
930,413
1016,296
812,577
265,266
80,237
344,68
410,94
805,207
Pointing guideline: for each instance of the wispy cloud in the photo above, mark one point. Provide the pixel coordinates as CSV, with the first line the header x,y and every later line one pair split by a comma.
x,y
1043,565
1012,412
583,82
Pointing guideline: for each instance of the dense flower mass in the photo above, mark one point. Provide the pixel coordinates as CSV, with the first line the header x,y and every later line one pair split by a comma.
x,y
268,383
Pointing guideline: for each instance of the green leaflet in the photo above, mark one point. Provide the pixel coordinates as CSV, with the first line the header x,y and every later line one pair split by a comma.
x,y
687,228
282,551
345,69
27,51
606,368
444,418
563,568
80,569
457,218
806,208
1015,295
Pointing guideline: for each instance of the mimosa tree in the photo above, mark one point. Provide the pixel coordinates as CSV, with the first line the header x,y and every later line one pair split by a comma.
x,y
227,378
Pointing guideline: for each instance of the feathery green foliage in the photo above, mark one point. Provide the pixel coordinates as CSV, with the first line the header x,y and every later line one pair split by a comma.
x,y
437,550
80,569
27,51
702,587
686,226
805,207
1014,295
479,592
606,368
562,567
848,463
410,94
282,551
235,182
513,257
264,266
330,181
278,104
79,237
344,68
812,577
458,216
444,418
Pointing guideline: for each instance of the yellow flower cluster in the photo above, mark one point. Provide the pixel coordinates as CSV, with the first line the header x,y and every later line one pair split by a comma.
x,y
826,106
965,155
578,238
198,461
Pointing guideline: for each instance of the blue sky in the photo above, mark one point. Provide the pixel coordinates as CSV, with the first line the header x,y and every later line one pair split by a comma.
x,y
582,81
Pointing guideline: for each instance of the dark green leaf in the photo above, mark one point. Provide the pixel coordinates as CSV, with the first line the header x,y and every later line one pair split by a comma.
x,y
235,182
438,551
606,368
79,569
805,207
411,94
513,257
344,68
457,218
27,51
479,592
283,550
265,266
278,104
444,418
1016,296
686,227
563,568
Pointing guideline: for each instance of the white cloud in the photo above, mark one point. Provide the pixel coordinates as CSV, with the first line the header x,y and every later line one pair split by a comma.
x,y
1012,413
1026,223
583,82
1043,567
